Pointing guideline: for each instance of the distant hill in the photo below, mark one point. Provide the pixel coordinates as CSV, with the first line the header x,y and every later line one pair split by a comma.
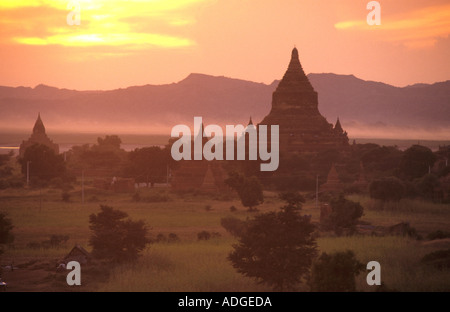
x,y
224,101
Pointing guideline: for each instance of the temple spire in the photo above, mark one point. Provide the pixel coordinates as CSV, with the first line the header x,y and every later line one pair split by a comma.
x,y
338,126
294,55
295,79
39,125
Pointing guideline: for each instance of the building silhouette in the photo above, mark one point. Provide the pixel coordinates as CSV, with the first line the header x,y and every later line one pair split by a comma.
x,y
303,129
38,136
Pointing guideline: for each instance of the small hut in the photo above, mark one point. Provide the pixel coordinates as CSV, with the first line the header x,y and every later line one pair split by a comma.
x,y
78,254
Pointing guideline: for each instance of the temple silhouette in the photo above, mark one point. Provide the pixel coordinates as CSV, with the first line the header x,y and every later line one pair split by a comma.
x,y
38,136
302,130
295,109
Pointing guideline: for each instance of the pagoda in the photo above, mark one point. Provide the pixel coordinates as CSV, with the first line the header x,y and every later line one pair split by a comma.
x,y
303,130
38,137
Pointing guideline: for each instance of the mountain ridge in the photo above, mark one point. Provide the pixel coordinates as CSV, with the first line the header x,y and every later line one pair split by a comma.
x,y
224,100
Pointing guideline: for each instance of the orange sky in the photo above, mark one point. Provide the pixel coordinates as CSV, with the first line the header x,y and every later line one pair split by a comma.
x,y
136,42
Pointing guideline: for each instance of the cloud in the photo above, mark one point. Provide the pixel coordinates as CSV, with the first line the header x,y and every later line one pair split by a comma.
x,y
128,25
420,28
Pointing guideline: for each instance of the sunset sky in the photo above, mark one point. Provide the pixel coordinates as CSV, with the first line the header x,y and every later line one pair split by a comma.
x,y
137,42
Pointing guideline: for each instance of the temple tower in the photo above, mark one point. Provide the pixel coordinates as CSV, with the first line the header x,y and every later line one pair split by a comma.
x,y
295,109
38,137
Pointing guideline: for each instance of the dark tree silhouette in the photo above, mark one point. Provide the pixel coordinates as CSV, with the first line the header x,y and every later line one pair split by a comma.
x,y
6,237
148,164
110,141
387,189
249,189
44,163
335,272
276,248
345,213
416,162
115,238
427,184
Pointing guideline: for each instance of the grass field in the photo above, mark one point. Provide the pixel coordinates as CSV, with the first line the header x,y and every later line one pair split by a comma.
x,y
192,265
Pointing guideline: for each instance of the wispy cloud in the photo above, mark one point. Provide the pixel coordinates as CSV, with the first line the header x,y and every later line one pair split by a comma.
x,y
128,25
420,28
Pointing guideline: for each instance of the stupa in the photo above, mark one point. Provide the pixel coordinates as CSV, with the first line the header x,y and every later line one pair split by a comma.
x,y
295,109
38,137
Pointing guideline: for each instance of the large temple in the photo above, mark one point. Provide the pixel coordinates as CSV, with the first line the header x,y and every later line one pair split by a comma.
x,y
302,129
295,109
38,137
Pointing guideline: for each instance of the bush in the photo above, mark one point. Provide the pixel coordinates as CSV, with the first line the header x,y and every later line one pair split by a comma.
x,y
6,237
65,196
416,162
56,182
34,245
345,214
4,184
426,185
115,238
54,241
335,272
249,189
136,197
234,226
203,235
387,189
438,235
173,238
93,199
156,198
439,259
208,208
57,240
160,238
233,209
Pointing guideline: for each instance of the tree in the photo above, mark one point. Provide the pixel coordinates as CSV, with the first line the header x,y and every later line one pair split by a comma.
x,y
106,154
380,160
249,189
387,189
344,214
6,237
276,248
115,238
110,141
427,184
45,164
416,162
233,225
335,272
148,164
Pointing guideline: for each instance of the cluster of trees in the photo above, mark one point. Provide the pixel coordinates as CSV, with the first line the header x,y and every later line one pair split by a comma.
x,y
105,154
278,248
412,167
412,178
6,236
116,238
44,167
249,189
8,178
344,216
